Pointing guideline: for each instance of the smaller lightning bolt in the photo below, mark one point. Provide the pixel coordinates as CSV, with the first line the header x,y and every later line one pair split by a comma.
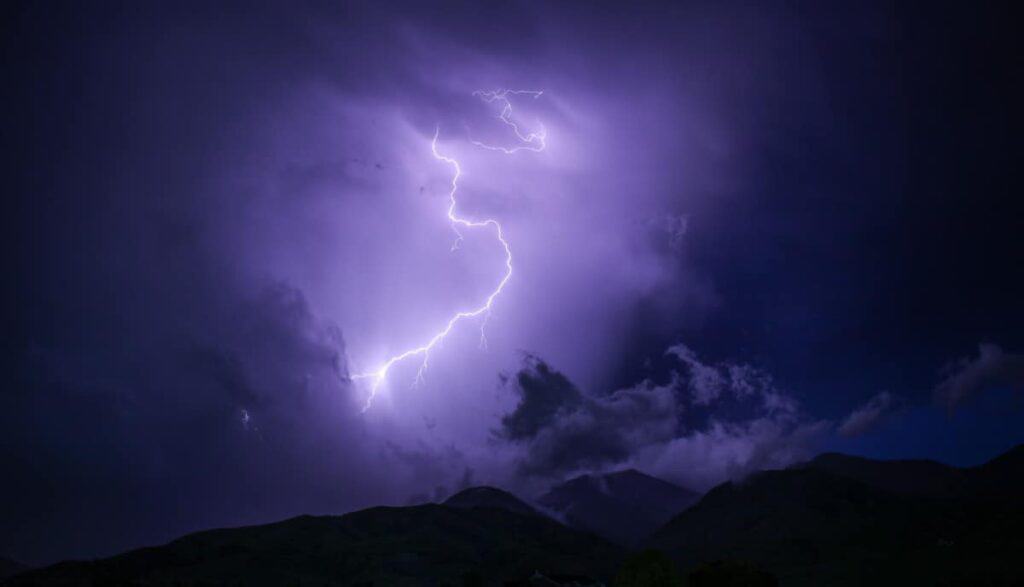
x,y
533,141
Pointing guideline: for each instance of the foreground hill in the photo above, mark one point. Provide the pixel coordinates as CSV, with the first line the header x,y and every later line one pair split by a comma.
x,y
837,521
848,521
1000,478
919,478
419,545
9,567
624,507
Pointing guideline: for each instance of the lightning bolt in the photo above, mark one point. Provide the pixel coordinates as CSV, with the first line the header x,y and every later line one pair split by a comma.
x,y
533,141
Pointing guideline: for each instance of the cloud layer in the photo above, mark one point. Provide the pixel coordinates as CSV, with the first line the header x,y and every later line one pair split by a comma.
x,y
868,416
969,377
706,424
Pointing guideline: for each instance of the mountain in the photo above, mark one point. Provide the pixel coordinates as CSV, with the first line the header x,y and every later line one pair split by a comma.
x,y
999,478
842,520
418,545
920,478
489,497
624,507
10,567
836,520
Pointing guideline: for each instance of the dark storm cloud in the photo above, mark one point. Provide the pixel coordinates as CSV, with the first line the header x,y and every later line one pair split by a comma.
x,y
276,350
565,430
968,377
248,417
544,395
709,422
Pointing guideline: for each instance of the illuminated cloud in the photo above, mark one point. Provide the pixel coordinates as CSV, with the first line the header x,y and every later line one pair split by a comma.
x,y
869,415
968,377
707,423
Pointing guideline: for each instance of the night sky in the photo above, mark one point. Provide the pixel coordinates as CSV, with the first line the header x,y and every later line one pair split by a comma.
x,y
755,232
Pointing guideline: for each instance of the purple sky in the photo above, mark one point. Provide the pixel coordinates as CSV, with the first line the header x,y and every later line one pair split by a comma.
x,y
719,256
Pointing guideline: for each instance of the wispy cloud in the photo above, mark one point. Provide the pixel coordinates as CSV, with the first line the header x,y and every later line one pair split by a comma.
x,y
707,423
968,377
869,415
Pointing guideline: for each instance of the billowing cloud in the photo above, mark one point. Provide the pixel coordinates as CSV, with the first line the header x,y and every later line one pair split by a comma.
x,y
869,415
724,450
563,430
968,377
545,394
707,423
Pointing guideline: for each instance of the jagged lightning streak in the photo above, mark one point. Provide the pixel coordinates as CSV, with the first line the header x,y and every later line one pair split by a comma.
x,y
534,141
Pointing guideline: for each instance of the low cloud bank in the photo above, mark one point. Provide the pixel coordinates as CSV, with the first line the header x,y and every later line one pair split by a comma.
x,y
708,422
970,376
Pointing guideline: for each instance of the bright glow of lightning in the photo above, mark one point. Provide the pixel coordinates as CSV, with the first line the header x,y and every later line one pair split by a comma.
x,y
534,141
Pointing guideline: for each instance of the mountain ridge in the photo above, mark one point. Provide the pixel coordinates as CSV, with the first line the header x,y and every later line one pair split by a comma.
x,y
836,519
842,520
10,567
999,477
622,506
485,496
414,545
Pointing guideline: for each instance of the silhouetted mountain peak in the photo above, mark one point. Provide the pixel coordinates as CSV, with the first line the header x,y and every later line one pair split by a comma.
x,y
904,517
1001,477
489,497
907,477
628,473
841,458
427,544
631,479
618,481
623,506
634,476
1011,458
